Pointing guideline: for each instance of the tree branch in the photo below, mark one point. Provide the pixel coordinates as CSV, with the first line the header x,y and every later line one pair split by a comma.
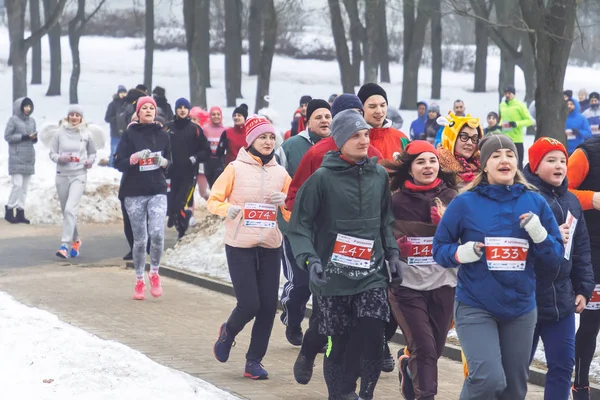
x,y
53,20
86,20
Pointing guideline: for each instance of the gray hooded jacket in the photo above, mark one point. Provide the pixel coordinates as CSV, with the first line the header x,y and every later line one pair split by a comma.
x,y
21,154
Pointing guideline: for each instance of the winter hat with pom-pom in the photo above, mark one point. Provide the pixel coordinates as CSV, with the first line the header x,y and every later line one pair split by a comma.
x,y
242,109
540,148
144,100
345,101
256,126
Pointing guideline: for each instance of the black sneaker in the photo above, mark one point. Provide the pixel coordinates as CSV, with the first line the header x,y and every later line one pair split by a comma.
x,y
128,257
581,393
303,369
387,363
294,335
406,387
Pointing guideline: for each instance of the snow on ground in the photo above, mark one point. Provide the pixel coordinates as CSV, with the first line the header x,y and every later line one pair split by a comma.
x,y
45,358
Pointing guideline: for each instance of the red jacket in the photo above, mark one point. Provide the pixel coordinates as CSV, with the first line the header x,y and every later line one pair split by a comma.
x,y
232,140
311,162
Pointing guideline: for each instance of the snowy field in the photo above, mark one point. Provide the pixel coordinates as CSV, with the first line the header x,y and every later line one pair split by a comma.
x,y
46,359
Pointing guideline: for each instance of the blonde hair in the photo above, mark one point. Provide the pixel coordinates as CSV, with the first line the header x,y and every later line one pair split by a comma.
x,y
482,178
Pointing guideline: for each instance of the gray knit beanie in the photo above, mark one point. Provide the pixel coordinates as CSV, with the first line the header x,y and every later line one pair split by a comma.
x,y
345,124
490,144
75,108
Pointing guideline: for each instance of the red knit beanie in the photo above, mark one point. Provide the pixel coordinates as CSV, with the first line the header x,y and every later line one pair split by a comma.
x,y
256,126
420,146
144,100
540,148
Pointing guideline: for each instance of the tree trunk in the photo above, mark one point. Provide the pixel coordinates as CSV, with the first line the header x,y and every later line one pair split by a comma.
x,y
412,58
505,10
528,67
408,15
195,41
15,13
481,51
384,47
203,42
36,49
347,72
551,39
75,31
266,60
371,47
255,22
55,51
149,44
436,50
357,35
233,51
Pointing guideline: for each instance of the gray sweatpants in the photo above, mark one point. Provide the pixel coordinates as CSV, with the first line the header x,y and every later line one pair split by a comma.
x,y
497,353
147,215
70,189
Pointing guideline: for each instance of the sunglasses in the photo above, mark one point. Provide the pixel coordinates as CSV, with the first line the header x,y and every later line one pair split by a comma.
x,y
465,138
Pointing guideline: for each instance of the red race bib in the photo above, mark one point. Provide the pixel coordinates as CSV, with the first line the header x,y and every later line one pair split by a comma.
x,y
148,163
506,254
421,251
260,215
352,252
594,303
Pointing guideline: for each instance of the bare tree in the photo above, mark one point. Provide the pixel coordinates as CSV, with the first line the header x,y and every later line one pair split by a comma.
x,y
19,46
358,37
233,51
436,50
371,48
36,49
414,39
55,50
266,60
255,22
481,47
149,44
76,30
383,43
347,73
195,18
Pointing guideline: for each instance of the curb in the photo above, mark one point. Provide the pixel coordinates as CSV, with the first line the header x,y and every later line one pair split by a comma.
x,y
451,351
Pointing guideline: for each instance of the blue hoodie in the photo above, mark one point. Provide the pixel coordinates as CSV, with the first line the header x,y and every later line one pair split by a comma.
x,y
580,126
493,211
417,128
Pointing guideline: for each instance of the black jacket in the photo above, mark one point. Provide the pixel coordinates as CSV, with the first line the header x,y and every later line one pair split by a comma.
x,y
142,183
164,108
111,114
187,140
555,295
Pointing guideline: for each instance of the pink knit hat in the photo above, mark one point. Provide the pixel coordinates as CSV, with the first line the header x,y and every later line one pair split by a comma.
x,y
256,126
215,108
144,100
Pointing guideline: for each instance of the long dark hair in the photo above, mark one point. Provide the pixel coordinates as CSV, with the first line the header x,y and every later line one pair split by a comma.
x,y
399,171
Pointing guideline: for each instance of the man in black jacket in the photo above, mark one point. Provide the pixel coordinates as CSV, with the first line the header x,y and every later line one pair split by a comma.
x,y
189,147
111,117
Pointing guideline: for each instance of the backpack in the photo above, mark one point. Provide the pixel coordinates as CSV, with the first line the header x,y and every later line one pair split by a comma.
x,y
124,115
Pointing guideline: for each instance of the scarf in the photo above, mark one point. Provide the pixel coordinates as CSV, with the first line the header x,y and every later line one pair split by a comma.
x,y
265,159
410,185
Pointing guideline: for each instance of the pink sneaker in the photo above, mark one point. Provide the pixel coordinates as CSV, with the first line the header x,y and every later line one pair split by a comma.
x,y
155,286
139,291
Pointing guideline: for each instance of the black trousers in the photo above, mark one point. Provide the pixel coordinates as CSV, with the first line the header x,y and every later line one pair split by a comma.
x,y
182,187
585,345
255,277
520,153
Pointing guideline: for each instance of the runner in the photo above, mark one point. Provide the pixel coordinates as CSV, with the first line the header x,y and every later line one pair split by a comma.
x,y
213,167
495,231
341,234
143,156
233,139
562,295
73,150
248,193
423,304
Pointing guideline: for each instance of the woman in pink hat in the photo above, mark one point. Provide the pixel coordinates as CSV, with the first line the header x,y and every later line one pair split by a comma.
x,y
211,169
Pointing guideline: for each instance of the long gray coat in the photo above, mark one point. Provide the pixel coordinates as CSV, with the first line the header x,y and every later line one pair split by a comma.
x,y
21,154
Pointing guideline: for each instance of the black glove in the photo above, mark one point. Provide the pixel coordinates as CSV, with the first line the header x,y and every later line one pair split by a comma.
x,y
316,273
395,268
25,137
513,124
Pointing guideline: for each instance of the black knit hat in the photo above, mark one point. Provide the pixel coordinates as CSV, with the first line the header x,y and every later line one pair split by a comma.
x,y
142,88
594,95
568,93
510,89
159,91
305,99
494,114
371,89
242,109
314,105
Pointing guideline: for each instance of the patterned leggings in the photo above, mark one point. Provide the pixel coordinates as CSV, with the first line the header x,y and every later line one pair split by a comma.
x,y
147,215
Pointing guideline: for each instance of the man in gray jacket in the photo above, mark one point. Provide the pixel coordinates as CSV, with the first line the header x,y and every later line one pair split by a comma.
x,y
21,135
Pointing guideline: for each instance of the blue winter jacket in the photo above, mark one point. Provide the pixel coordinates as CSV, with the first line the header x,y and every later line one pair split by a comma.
x,y
417,127
577,122
592,114
493,211
556,293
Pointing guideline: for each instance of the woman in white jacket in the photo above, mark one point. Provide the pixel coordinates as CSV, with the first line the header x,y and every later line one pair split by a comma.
x,y
72,149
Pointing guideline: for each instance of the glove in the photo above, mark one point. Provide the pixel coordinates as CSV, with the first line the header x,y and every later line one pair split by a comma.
x,y
25,137
435,216
468,253
405,246
395,267
64,159
512,124
161,161
316,273
532,224
233,211
193,160
278,198
87,164
140,155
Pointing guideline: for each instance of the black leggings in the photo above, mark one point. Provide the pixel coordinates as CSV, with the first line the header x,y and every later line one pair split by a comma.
x,y
585,345
342,367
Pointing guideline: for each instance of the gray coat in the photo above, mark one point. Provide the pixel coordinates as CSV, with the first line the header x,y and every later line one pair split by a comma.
x,y
21,154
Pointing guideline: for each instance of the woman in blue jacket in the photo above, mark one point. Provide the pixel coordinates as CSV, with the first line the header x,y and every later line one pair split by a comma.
x,y
577,126
567,292
494,232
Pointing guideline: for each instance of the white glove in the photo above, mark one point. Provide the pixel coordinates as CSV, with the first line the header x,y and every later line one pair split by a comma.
x,y
468,253
193,160
233,211
278,198
534,228
64,159
143,154
161,161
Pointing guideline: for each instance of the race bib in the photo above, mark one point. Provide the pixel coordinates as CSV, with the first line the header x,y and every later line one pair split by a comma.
x,y
506,254
148,163
73,159
168,185
352,252
421,251
595,129
594,303
214,143
260,215
506,126
572,221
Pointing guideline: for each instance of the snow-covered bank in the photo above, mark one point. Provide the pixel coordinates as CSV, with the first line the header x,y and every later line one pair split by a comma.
x,y
46,359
